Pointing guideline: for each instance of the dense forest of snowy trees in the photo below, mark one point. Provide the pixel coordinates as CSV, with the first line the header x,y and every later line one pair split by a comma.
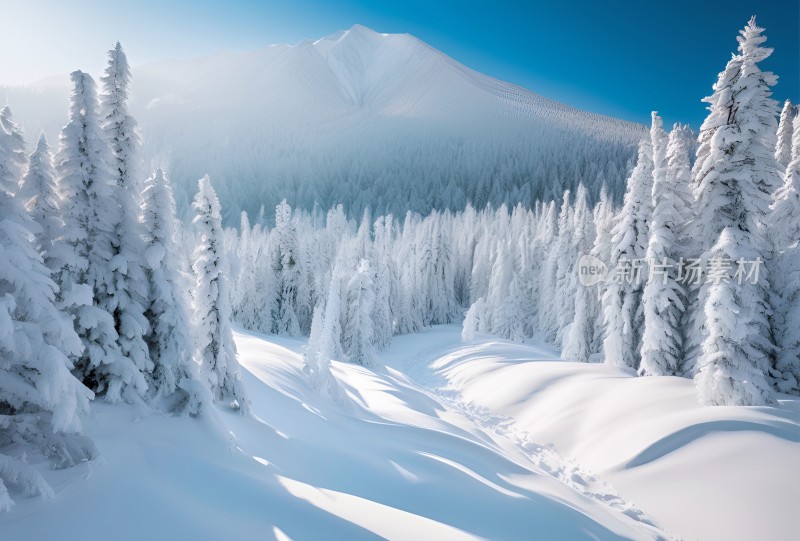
x,y
106,296
701,284
95,302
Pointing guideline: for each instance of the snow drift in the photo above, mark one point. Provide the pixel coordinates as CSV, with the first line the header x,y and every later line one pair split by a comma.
x,y
441,443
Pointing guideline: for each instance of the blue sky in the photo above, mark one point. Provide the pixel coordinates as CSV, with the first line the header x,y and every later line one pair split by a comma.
x,y
621,58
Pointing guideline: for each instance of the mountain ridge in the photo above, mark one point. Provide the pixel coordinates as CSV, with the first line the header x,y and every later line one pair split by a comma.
x,y
361,118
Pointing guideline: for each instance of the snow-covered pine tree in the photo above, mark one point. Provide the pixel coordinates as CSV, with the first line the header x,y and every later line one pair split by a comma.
x,y
215,347
786,281
358,335
603,216
285,264
126,301
173,380
435,268
316,367
42,200
681,147
410,317
783,148
547,314
324,342
499,312
40,400
622,308
14,143
784,218
580,334
386,286
244,278
86,279
737,174
474,320
664,295
565,283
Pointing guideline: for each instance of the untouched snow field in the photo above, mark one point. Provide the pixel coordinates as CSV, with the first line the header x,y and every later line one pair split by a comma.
x,y
486,440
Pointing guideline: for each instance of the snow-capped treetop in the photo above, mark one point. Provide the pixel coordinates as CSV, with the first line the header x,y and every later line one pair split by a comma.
x,y
735,160
82,163
41,197
783,148
630,231
785,216
119,125
679,179
12,151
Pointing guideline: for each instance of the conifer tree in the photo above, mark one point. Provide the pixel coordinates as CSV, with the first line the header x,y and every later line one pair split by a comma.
x,y
786,284
286,267
169,339
603,216
40,400
783,147
580,334
127,298
358,340
664,295
622,299
216,349
86,279
14,143
735,178
42,198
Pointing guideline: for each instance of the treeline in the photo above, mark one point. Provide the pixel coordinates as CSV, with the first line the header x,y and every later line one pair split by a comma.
x,y
701,257
94,301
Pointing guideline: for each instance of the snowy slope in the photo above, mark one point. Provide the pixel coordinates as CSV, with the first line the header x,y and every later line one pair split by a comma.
x,y
395,462
358,117
710,473
486,440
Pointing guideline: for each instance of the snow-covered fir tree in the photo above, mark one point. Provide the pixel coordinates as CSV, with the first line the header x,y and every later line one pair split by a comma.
x,y
737,174
173,380
622,306
14,143
316,360
40,401
547,314
42,199
784,218
783,147
664,296
565,279
786,282
580,334
474,320
386,286
216,349
127,298
603,216
358,342
87,276
286,268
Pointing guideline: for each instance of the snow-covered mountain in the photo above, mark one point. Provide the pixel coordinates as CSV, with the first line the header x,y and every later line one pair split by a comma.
x,y
360,118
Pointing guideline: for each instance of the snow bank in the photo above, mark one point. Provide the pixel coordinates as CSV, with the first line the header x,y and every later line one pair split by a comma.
x,y
706,473
395,462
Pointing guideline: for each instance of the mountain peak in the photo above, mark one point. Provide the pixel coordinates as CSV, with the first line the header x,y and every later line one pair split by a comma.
x,y
356,33
361,29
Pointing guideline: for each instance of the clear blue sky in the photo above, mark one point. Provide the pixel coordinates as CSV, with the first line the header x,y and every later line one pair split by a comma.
x,y
622,58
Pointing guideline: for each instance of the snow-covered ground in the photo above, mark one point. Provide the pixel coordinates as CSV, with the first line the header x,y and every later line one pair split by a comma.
x,y
487,440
